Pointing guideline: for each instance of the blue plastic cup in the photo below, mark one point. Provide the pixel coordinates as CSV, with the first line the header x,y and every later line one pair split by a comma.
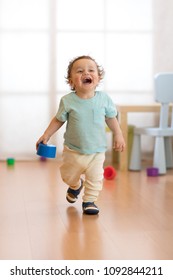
x,y
48,151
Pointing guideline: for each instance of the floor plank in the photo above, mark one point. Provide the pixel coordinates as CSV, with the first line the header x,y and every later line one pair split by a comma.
x,y
36,221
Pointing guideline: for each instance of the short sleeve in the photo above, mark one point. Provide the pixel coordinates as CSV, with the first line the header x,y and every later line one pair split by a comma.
x,y
111,110
62,113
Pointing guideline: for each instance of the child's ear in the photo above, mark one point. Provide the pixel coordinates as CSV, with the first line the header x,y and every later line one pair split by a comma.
x,y
71,84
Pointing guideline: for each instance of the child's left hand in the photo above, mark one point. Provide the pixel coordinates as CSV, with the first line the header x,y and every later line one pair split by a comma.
x,y
119,143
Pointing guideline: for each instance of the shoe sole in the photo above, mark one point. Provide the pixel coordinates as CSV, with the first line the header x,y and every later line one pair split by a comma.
x,y
73,200
90,212
70,200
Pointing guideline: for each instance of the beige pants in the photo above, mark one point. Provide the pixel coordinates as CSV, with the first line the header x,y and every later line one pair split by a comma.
x,y
75,164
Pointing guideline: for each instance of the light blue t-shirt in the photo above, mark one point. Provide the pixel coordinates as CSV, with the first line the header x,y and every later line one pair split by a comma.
x,y
85,129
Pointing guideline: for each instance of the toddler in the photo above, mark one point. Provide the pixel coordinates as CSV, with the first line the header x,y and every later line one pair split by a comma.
x,y
85,111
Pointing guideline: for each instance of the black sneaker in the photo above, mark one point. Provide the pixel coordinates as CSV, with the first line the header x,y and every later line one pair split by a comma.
x,y
90,208
72,195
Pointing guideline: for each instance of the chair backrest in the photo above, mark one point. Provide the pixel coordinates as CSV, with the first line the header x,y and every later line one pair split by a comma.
x,y
164,95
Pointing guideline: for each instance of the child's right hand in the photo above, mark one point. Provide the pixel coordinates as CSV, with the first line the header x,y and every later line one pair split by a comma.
x,y
54,125
43,139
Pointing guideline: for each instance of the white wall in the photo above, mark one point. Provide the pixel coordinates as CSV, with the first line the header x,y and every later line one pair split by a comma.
x,y
163,35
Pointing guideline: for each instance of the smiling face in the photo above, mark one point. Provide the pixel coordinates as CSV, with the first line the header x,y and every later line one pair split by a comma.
x,y
84,76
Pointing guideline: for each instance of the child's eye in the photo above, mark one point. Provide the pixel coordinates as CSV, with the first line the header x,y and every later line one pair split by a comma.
x,y
91,70
79,71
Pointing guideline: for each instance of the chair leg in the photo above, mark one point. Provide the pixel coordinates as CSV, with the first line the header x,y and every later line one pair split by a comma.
x,y
159,155
168,152
135,158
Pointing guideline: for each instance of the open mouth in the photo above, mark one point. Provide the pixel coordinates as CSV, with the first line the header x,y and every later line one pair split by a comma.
x,y
87,81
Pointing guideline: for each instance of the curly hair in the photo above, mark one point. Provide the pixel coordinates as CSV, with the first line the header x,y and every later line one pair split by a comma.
x,y
100,69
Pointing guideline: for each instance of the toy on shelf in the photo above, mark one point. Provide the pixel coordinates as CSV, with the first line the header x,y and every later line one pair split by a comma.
x,y
109,173
46,151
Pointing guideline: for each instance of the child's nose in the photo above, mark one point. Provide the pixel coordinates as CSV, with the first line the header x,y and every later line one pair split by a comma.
x,y
86,72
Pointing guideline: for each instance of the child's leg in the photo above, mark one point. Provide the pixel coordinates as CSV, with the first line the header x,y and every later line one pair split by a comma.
x,y
94,178
71,169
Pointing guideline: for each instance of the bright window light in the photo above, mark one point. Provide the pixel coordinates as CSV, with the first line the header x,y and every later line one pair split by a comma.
x,y
129,15
24,62
80,15
24,14
38,38
129,62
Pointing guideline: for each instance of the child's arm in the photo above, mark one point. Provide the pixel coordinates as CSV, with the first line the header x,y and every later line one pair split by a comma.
x,y
119,143
54,125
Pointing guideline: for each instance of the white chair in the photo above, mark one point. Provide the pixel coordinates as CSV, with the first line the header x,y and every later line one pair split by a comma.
x,y
163,153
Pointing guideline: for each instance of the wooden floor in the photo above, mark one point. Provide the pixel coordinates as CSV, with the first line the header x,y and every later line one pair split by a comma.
x,y
37,223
